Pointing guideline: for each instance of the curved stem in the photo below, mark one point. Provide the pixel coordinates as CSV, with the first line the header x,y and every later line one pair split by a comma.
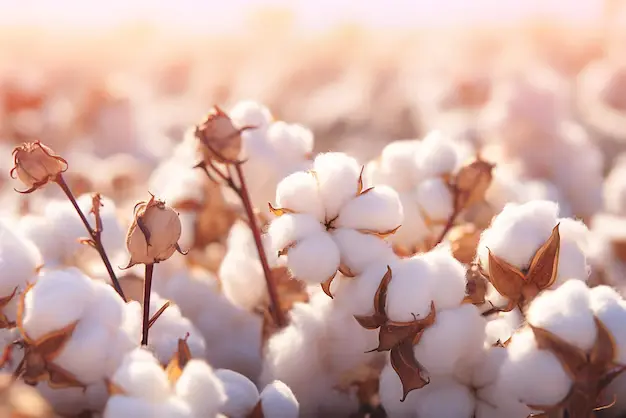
x,y
94,235
147,286
277,313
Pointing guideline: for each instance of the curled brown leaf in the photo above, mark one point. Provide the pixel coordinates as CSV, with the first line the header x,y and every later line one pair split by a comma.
x,y
411,373
544,265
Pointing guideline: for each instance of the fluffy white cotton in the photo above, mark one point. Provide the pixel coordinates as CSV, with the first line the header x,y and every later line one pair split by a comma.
x,y
398,162
359,250
290,140
435,199
141,376
277,400
250,113
409,293
290,228
379,210
447,276
338,176
299,193
201,389
314,259
610,308
436,156
241,394
19,259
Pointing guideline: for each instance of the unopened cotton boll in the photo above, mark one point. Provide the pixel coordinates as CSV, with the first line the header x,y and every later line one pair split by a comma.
x,y
435,199
565,312
314,259
241,394
378,210
436,156
299,192
277,400
201,389
337,176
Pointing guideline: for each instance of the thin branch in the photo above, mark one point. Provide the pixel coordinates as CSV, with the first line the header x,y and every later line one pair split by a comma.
x,y
158,313
147,287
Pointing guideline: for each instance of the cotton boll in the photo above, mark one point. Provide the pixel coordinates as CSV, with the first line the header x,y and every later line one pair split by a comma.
x,y
493,402
201,389
502,327
289,228
337,176
414,229
277,400
435,199
357,294
107,309
445,398
397,159
610,308
436,155
120,406
299,192
238,273
378,210
41,232
250,113
359,250
314,259
457,336
409,292
534,376
19,259
447,277
390,392
67,226
566,313
58,299
241,394
141,376
290,140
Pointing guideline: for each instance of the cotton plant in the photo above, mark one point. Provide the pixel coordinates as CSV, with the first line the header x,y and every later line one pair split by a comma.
x,y
569,353
327,221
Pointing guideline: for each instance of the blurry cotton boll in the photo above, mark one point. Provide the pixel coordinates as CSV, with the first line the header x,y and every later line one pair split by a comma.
x,y
615,188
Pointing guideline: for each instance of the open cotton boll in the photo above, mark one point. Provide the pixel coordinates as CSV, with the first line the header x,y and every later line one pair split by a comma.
x,y
437,155
435,199
250,113
610,308
493,402
398,160
390,392
242,280
314,259
502,327
19,259
201,389
359,250
534,376
177,182
356,294
456,337
277,400
126,407
409,292
299,192
338,178
59,298
565,312
414,229
289,228
290,140
378,210
241,394
447,277
141,376
445,398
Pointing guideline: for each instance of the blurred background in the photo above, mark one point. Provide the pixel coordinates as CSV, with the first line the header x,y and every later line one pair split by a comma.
x,y
131,76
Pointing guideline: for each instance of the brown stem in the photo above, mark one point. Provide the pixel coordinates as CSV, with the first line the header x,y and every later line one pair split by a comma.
x,y
19,369
95,236
277,313
448,226
147,286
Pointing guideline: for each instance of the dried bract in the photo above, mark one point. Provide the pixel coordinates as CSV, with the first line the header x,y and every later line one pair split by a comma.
x,y
472,181
179,360
219,137
35,165
464,241
153,236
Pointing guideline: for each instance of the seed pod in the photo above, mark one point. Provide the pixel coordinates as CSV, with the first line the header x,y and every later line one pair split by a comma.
x,y
153,236
472,182
35,165
220,139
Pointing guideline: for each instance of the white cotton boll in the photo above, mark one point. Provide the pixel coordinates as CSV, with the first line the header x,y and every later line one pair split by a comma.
x,y
534,376
493,402
359,250
41,232
447,277
518,232
436,155
299,192
314,259
290,228
413,230
120,406
502,327
241,394
201,389
337,176
378,210
356,295
277,400
65,401
390,392
398,159
487,370
59,298
565,312
176,181
19,259
242,280
435,199
409,292
445,398
141,376
610,308
457,336
250,113
67,226
107,308
290,140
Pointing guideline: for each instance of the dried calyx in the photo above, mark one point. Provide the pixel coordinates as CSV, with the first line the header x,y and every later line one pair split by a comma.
x,y
398,338
521,287
219,137
590,372
35,165
153,236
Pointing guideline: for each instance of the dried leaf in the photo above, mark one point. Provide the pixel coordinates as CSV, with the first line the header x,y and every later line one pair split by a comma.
x,y
257,412
359,188
51,344
21,308
326,285
507,279
544,265
411,373
179,360
380,301
604,349
158,313
471,183
279,211
383,234
393,333
345,270
572,358
59,378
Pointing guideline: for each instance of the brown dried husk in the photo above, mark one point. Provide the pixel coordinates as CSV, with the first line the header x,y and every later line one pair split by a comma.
x,y
464,241
35,164
215,217
220,134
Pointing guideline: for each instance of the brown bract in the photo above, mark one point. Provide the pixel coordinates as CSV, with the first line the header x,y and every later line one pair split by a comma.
x,y
471,183
39,354
464,241
476,286
522,287
398,338
153,236
4,321
220,139
34,164
591,372
178,361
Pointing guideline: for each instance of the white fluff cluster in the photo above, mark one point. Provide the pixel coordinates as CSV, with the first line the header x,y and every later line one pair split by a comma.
x,y
535,376
417,170
146,391
57,231
330,221
520,230
276,399
106,329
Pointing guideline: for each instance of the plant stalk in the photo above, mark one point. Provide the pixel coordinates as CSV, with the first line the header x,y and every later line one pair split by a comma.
x,y
147,287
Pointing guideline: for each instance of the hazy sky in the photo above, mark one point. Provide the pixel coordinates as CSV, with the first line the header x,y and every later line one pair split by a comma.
x,y
228,14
